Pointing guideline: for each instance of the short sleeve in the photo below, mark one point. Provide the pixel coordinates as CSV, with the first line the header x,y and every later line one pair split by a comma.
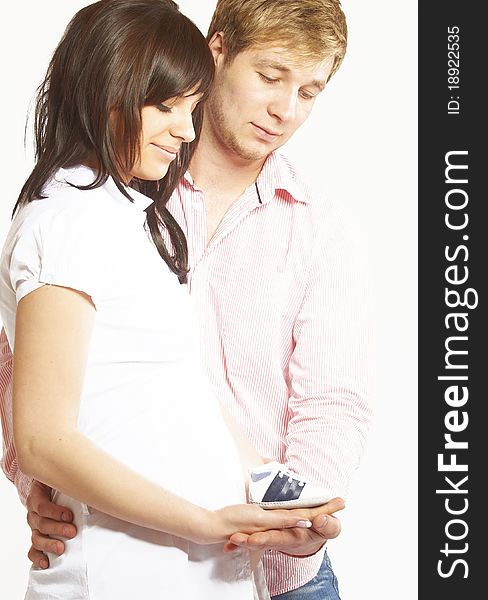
x,y
25,263
64,247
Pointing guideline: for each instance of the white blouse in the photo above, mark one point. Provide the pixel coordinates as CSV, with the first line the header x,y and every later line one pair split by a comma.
x,y
146,398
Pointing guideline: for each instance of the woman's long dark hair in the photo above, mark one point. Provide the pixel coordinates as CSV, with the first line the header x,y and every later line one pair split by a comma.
x,y
117,56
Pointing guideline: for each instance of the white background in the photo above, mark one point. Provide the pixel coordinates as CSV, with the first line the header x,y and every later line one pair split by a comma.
x,y
360,146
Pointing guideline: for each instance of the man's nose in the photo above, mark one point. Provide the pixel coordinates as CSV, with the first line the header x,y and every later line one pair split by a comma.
x,y
284,105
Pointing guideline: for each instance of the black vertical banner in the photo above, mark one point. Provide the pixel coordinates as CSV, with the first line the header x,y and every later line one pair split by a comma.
x,y
453,361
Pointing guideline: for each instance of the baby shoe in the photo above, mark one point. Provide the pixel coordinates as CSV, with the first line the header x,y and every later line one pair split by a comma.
x,y
272,485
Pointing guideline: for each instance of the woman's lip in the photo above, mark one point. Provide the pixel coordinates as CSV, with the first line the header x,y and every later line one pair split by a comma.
x,y
265,133
169,153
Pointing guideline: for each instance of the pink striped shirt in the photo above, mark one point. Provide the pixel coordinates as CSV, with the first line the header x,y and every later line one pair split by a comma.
x,y
285,334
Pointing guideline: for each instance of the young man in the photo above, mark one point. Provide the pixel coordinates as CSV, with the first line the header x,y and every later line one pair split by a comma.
x,y
273,275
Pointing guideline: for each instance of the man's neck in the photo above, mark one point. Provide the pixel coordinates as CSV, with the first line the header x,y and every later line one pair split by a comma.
x,y
222,175
219,171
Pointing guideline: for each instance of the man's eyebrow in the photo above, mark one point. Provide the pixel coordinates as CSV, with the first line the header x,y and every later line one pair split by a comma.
x,y
273,64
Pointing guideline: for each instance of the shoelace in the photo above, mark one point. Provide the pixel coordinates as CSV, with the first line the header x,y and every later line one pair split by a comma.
x,y
282,474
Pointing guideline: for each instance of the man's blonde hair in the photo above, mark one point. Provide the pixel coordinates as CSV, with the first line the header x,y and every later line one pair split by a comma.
x,y
312,29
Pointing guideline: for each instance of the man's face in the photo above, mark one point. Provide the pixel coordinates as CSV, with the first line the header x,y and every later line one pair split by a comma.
x,y
261,98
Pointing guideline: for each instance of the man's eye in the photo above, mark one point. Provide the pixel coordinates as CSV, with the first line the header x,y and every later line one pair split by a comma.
x,y
307,95
268,79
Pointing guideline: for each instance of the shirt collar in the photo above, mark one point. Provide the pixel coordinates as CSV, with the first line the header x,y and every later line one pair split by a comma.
x,y
141,201
276,176
82,175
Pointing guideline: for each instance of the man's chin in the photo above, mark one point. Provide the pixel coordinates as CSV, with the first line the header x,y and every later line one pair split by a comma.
x,y
254,152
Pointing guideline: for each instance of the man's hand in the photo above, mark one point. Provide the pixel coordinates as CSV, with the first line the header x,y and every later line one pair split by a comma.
x,y
45,519
295,541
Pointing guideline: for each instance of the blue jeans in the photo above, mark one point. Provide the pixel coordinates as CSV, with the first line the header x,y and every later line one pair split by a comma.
x,y
322,587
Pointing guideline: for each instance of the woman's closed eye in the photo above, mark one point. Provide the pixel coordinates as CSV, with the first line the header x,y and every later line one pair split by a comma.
x,y
164,107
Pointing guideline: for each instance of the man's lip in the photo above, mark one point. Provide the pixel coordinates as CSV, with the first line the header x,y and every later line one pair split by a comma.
x,y
268,131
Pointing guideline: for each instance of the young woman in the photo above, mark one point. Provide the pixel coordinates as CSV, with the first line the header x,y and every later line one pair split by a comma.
x,y
112,408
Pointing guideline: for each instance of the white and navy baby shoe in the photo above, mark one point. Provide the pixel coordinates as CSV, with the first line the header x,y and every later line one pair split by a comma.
x,y
272,485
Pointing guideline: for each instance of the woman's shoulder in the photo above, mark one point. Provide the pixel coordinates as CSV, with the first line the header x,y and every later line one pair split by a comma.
x,y
63,211
68,212
65,200
66,190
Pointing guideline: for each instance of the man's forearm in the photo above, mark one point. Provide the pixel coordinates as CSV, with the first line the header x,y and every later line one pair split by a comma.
x,y
330,367
326,440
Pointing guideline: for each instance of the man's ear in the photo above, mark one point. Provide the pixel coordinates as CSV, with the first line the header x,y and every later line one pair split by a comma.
x,y
217,47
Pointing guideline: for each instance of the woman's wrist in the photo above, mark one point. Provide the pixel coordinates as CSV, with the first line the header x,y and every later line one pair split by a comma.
x,y
204,527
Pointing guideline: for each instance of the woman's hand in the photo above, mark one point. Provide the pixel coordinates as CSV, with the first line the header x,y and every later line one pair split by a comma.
x,y
251,518
293,541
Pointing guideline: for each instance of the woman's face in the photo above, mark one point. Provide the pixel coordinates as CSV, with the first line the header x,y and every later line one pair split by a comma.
x,y
164,128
